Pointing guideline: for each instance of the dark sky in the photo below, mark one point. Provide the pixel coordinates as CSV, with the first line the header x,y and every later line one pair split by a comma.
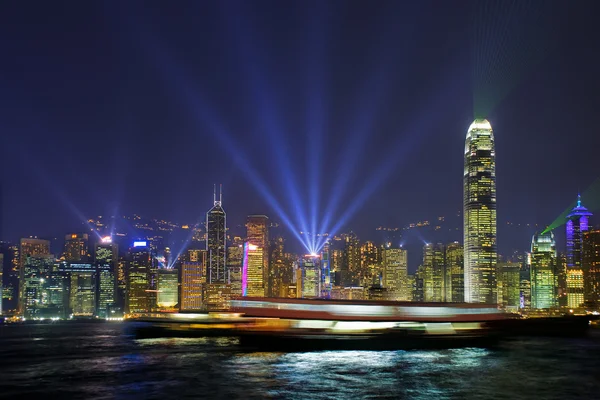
x,y
141,106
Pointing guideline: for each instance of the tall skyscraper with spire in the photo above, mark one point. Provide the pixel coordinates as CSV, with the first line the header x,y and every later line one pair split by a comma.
x,y
215,241
479,214
577,224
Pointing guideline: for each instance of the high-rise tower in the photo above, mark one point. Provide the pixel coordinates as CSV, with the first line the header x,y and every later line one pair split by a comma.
x,y
257,232
215,241
544,283
577,224
480,214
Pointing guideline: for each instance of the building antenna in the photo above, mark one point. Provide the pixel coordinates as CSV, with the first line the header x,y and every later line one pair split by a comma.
x,y
220,193
214,193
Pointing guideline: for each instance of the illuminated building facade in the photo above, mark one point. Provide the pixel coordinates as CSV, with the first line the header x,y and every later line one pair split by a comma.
x,y
193,278
216,248
525,284
234,266
138,278
29,247
479,213
544,284
577,224
10,276
308,277
257,234
326,282
35,272
252,271
434,273
167,287
106,257
76,247
509,290
455,273
370,265
82,289
591,267
350,263
395,274
280,269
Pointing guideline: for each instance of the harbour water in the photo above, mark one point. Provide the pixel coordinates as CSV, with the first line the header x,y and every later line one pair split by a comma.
x,y
105,361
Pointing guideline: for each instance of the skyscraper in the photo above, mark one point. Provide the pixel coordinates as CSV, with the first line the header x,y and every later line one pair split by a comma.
x,y
29,247
455,273
193,278
252,271
76,247
138,278
395,274
544,283
34,273
577,224
257,234
82,293
591,267
234,266
215,241
509,285
167,282
106,258
350,265
433,273
480,214
308,277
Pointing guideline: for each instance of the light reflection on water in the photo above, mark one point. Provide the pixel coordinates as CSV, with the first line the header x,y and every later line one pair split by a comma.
x,y
105,362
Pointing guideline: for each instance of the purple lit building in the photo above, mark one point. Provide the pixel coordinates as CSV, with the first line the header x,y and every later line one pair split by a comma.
x,y
577,224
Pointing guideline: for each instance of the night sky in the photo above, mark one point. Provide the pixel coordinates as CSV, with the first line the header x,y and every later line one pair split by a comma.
x,y
139,107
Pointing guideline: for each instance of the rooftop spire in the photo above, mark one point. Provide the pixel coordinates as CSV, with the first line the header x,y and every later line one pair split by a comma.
x,y
578,199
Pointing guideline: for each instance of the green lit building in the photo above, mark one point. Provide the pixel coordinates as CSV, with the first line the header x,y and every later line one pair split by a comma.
x,y
544,282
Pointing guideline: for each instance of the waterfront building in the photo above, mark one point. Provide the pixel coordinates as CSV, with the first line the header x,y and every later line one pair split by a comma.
x,y
326,279
106,257
479,213
29,247
434,273
216,247
167,288
252,271
308,277
544,284
418,285
193,278
591,267
235,254
577,225
525,284
76,248
10,276
257,234
138,278
454,273
36,269
395,274
509,285
82,288
370,265
350,263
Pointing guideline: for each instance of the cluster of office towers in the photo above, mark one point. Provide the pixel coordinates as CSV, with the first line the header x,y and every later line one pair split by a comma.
x,y
105,283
